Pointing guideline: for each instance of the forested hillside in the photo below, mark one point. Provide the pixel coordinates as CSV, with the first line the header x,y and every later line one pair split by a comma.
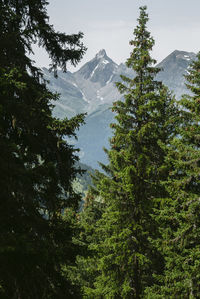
x,y
127,230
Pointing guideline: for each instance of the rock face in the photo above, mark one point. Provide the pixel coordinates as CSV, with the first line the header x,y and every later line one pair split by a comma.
x,y
174,67
98,70
92,90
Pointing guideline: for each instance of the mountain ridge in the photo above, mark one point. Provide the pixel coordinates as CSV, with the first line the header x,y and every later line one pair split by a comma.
x,y
92,90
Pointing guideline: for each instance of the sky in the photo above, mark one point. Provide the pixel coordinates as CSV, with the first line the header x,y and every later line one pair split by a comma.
x,y
109,25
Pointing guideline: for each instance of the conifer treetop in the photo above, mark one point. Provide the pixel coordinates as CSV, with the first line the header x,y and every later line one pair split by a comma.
x,y
140,61
31,25
143,44
127,261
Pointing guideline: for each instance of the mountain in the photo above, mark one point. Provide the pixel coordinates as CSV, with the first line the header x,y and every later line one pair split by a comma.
x,y
71,101
92,89
173,69
99,70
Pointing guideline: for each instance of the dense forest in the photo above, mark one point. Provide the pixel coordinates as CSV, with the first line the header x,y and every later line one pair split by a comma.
x,y
130,231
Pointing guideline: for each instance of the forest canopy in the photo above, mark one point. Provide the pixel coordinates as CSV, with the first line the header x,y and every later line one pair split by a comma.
x,y
135,234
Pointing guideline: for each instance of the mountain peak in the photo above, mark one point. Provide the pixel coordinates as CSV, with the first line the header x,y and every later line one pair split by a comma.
x,y
179,55
101,54
100,69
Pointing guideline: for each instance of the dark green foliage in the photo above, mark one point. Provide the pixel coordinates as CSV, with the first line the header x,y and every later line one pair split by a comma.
x,y
86,268
36,164
127,261
179,214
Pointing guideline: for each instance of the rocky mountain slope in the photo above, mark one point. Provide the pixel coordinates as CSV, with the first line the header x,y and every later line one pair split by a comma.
x,y
174,67
92,89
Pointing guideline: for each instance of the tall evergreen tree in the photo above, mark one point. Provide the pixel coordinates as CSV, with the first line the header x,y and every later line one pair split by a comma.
x,y
179,213
36,163
85,270
126,257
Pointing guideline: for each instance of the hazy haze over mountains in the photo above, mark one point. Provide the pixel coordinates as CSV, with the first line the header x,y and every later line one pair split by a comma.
x,y
92,89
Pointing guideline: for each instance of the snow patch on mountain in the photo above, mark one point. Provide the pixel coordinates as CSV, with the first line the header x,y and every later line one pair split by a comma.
x,y
84,97
109,80
92,74
105,61
187,57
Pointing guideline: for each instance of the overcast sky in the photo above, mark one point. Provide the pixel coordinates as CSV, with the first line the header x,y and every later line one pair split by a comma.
x,y
109,24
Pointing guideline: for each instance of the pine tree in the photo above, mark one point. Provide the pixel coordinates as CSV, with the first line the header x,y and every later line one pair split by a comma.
x,y
86,269
179,214
37,165
127,260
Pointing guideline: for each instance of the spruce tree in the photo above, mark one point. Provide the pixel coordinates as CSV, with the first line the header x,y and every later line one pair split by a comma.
x,y
127,260
179,213
85,270
37,165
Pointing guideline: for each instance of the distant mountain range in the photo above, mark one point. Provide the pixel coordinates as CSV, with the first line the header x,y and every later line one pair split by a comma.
x,y
92,89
